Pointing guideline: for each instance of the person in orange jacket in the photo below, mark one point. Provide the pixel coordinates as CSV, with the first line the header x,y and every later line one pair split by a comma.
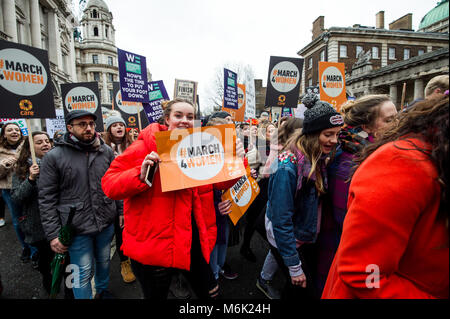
x,y
395,240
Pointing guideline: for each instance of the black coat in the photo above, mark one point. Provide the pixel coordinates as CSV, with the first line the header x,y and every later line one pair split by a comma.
x,y
70,175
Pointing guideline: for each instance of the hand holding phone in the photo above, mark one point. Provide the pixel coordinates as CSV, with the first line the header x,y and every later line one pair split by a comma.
x,y
151,160
151,170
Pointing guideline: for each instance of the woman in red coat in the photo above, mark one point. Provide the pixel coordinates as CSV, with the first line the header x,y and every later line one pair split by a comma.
x,y
395,241
163,231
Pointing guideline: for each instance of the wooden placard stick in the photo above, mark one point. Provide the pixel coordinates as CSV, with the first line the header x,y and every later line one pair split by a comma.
x,y
30,140
403,96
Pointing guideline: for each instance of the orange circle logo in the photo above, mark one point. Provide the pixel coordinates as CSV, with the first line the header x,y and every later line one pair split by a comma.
x,y
25,105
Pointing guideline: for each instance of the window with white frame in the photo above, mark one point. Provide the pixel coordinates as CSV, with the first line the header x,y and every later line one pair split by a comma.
x,y
96,76
110,60
95,58
343,51
310,63
322,55
359,49
420,52
375,53
406,54
310,82
391,53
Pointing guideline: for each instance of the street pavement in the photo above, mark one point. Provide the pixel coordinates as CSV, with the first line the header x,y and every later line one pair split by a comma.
x,y
21,281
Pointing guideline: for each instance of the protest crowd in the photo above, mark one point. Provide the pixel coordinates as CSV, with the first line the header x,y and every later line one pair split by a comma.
x,y
352,203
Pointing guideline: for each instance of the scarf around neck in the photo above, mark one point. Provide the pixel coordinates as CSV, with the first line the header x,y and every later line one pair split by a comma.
x,y
354,139
92,146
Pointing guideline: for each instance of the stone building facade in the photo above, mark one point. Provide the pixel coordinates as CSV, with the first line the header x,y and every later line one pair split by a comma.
x,y
383,50
44,24
96,51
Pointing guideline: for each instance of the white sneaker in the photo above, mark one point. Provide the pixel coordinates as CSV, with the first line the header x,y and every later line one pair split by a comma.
x,y
2,222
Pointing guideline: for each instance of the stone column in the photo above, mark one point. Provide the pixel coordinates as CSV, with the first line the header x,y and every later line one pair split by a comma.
x,y
35,24
384,54
9,19
105,96
393,93
418,89
54,41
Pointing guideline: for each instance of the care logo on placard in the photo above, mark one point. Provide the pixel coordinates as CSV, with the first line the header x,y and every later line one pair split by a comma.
x,y
128,107
332,81
285,76
81,98
242,191
26,107
200,156
21,73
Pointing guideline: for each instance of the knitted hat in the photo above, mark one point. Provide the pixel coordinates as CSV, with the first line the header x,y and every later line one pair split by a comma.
x,y
220,114
113,119
319,115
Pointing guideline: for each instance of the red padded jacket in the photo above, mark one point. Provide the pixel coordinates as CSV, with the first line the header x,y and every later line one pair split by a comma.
x,y
394,243
158,228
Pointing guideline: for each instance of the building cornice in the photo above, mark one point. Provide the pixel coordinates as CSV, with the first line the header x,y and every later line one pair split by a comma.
x,y
424,58
374,34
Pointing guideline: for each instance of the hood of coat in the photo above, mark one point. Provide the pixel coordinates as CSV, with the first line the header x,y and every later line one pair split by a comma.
x,y
148,134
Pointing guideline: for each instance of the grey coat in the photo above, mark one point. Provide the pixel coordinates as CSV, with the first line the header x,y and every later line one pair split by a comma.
x,y
25,193
70,175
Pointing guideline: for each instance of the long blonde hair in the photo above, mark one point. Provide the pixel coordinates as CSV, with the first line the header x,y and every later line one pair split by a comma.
x,y
308,144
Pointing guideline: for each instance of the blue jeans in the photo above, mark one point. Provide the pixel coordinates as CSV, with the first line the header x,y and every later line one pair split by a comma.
x,y
270,267
15,214
219,253
90,253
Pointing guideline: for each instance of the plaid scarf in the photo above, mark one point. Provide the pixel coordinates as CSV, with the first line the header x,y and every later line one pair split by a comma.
x,y
354,139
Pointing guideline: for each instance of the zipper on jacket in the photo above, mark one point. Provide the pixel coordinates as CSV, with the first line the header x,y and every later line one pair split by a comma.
x,y
89,191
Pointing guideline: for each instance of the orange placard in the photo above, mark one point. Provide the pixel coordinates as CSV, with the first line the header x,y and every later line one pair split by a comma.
x,y
241,196
332,83
238,115
198,156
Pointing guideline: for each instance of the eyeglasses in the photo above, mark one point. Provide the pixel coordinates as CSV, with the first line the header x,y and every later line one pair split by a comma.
x,y
84,125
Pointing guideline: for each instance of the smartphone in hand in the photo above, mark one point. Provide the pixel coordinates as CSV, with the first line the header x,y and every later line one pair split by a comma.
x,y
150,175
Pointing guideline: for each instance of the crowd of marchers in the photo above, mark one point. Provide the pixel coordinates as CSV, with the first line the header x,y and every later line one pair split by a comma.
x,y
352,204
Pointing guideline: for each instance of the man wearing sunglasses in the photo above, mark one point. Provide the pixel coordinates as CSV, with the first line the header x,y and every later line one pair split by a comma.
x,y
70,178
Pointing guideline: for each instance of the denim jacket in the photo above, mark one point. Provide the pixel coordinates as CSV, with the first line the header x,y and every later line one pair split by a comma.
x,y
293,214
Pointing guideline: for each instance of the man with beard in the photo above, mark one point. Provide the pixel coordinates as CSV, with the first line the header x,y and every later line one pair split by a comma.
x,y
71,179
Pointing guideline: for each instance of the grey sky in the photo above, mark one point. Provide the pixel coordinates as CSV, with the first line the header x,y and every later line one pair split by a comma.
x,y
190,39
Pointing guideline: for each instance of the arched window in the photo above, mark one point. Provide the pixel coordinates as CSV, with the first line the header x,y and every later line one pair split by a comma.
x,y
95,32
94,14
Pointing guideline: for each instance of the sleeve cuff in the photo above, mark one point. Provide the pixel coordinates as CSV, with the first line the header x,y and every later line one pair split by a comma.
x,y
296,270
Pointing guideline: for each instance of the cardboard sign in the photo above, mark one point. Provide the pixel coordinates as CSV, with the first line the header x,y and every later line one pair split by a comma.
x,y
132,76
83,96
198,156
21,122
250,98
283,82
56,124
286,111
332,83
128,110
238,115
25,82
241,196
230,89
185,89
157,93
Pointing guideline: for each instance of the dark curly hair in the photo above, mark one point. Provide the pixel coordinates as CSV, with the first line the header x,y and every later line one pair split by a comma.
x,y
428,121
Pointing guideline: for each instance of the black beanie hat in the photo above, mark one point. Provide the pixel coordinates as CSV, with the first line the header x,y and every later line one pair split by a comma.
x,y
220,114
319,115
